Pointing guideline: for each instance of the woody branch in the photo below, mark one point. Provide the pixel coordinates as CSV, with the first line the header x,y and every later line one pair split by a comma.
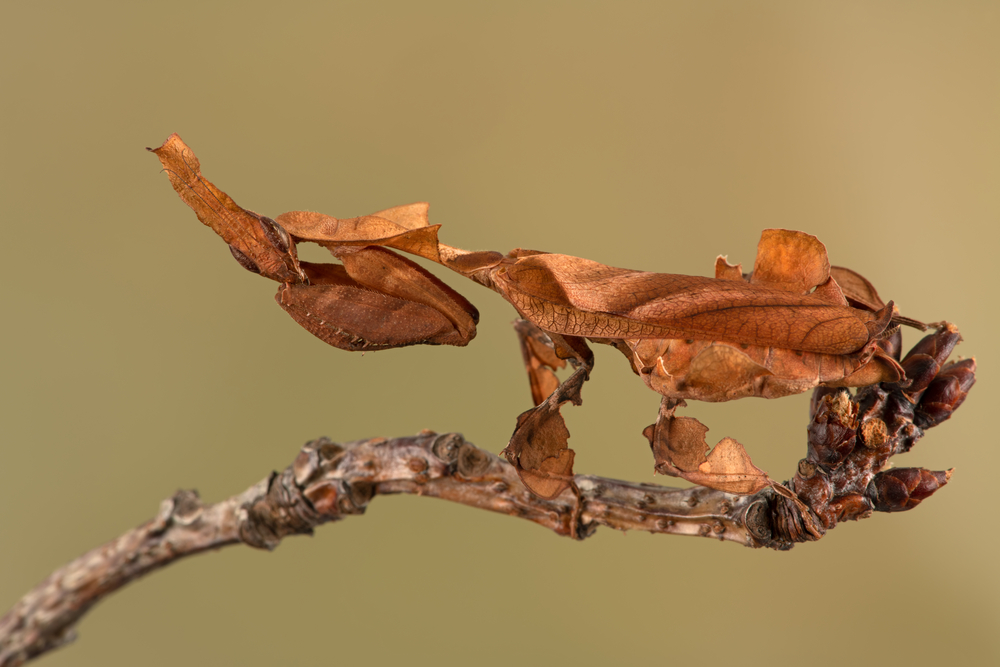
x,y
850,442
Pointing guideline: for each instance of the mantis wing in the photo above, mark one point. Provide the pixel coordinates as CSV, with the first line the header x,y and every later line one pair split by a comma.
x,y
580,297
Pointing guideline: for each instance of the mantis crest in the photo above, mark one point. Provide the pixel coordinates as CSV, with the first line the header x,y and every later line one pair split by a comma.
x,y
791,324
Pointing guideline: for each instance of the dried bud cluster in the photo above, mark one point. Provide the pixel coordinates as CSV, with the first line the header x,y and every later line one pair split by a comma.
x,y
851,440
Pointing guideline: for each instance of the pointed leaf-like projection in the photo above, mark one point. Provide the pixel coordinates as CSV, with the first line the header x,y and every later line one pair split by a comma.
x,y
726,271
257,242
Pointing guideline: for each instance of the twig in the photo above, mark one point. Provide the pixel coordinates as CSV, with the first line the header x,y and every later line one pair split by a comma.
x,y
850,442
328,481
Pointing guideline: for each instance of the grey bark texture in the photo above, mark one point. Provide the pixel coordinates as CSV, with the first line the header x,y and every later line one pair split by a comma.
x,y
843,477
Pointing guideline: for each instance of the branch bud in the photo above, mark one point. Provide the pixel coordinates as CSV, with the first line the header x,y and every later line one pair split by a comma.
x,y
902,489
945,393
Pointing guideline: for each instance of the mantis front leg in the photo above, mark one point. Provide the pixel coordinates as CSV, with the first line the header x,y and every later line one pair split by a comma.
x,y
538,448
377,300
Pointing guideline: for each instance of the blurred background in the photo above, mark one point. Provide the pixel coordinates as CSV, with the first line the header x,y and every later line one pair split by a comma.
x,y
138,358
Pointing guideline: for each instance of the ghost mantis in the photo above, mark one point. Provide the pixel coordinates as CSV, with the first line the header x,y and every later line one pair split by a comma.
x,y
792,324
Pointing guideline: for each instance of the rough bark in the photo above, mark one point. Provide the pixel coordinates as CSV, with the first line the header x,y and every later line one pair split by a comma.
x,y
850,442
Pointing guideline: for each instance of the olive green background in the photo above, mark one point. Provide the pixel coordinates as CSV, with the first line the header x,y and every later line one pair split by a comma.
x,y
138,358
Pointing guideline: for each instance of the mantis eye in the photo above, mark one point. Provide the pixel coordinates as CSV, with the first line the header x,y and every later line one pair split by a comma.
x,y
275,233
244,261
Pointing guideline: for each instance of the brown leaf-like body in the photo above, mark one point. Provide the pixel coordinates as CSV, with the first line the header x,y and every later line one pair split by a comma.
x,y
794,323
261,243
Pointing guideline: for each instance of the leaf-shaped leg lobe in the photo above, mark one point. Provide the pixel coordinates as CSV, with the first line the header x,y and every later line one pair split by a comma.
x,y
680,450
539,449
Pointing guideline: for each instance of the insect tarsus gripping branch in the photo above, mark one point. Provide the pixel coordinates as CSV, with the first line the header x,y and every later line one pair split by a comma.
x,y
792,324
